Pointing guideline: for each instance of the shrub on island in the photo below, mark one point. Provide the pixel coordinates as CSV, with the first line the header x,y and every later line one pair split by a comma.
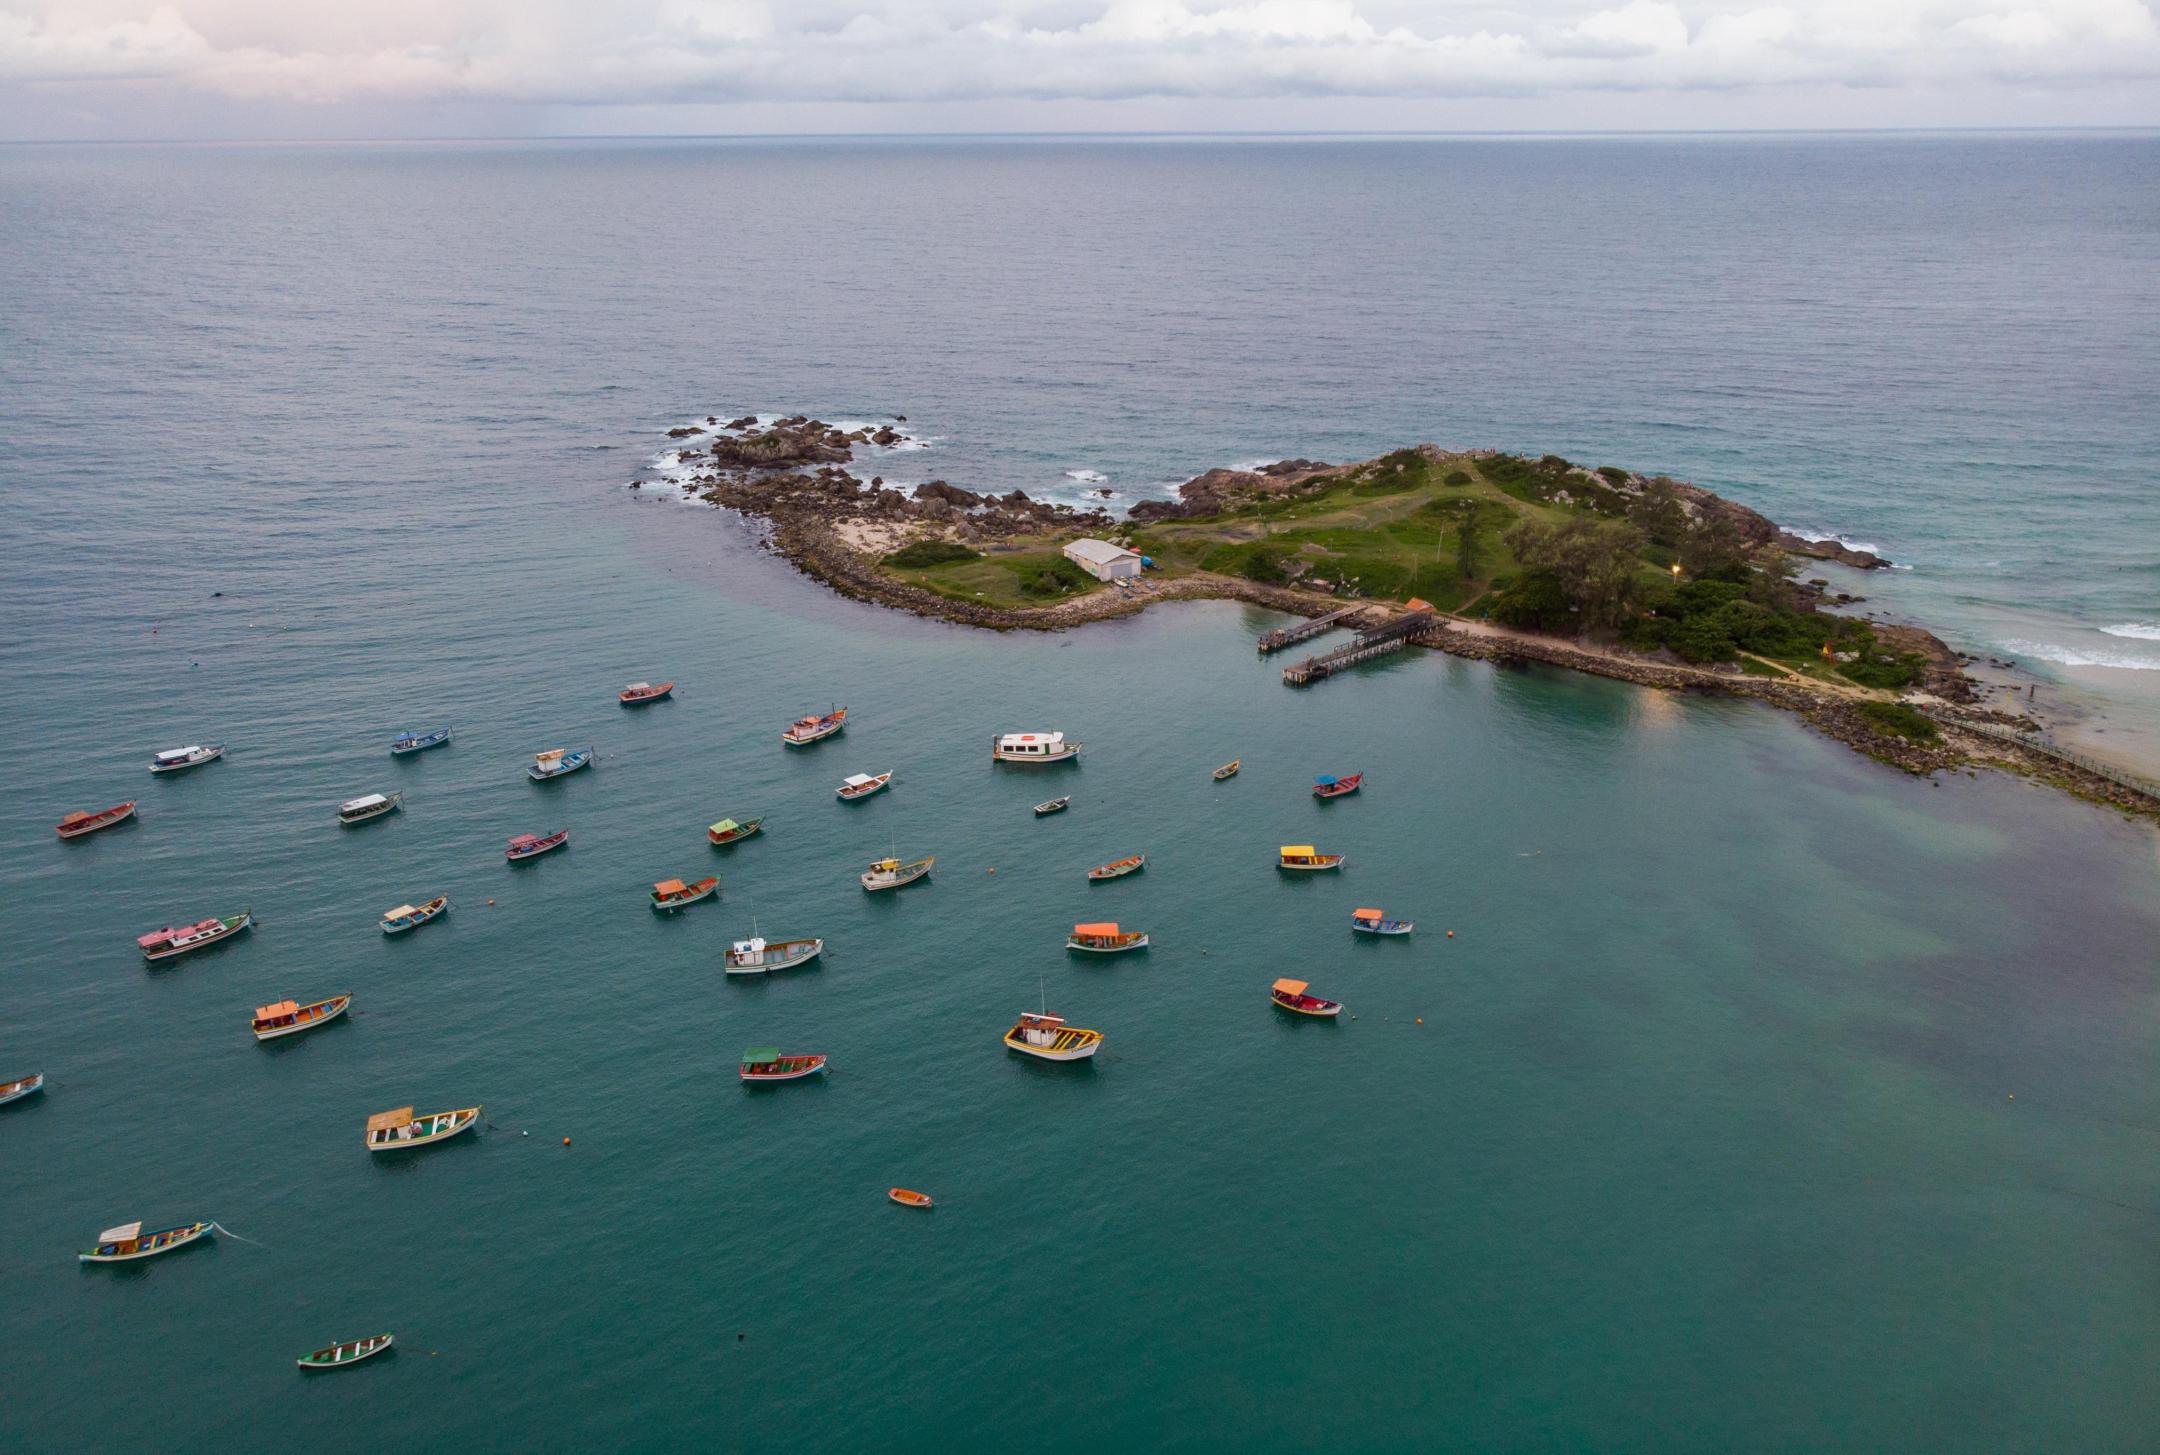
x,y
930,553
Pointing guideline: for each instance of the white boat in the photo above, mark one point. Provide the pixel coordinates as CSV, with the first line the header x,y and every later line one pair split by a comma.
x,y
1033,748
405,917
758,956
862,785
891,873
129,1242
558,763
367,806
395,1131
290,1018
1373,922
21,1087
172,760
1047,1038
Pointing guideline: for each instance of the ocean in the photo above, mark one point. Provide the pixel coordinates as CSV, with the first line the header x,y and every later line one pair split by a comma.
x,y
1734,1093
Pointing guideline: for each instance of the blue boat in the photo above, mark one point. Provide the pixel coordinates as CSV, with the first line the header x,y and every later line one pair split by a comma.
x,y
412,742
557,762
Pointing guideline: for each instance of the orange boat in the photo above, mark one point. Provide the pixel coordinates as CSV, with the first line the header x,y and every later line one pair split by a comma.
x,y
75,825
674,894
907,1197
1105,939
637,694
1290,995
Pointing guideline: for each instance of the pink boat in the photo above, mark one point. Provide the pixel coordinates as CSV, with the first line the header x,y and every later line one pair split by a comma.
x,y
530,846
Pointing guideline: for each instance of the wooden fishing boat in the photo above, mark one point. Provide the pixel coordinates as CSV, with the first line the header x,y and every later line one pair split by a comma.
x,y
172,760
891,873
862,785
400,1130
529,846
1118,868
367,806
75,825
728,831
129,1242
1373,922
1291,996
672,894
1229,769
337,1356
1105,939
168,943
766,1064
418,742
637,694
1047,1038
1306,858
1032,748
411,916
1055,805
558,763
21,1087
1327,785
815,728
908,1197
289,1018
758,956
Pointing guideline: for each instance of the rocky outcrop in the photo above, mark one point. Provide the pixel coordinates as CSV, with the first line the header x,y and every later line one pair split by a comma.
x,y
1836,551
795,441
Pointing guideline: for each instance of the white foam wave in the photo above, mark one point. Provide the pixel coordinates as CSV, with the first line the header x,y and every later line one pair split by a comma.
x,y
1819,536
2144,631
1088,477
2080,657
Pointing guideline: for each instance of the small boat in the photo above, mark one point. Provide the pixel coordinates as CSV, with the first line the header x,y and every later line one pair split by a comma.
x,y
670,894
1306,857
1373,922
289,1018
531,846
411,916
416,742
1229,769
21,1087
75,825
891,873
167,943
637,694
1055,805
908,1197
1047,1038
862,785
766,1064
1118,868
396,1131
128,1242
558,763
1327,785
1290,995
814,728
727,831
1032,748
1105,939
758,956
367,806
172,760
337,1356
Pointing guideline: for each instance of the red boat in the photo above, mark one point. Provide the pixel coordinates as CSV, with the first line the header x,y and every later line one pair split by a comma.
x,y
1328,785
770,1065
637,694
527,846
1290,995
75,825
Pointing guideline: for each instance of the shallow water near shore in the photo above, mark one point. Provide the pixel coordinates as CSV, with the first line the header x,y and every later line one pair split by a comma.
x,y
1763,1098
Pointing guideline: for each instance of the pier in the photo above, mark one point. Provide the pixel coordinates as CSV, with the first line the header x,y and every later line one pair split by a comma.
x,y
1305,631
1391,636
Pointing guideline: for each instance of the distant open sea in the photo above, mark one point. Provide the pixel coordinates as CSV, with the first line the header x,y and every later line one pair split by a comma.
x,y
1763,1099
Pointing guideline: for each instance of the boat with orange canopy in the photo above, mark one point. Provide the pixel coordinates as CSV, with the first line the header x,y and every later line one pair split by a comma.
x,y
1290,995
75,825
671,894
289,1017
1376,922
1105,939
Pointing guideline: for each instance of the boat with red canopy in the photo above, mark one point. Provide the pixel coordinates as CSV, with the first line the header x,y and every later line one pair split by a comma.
x,y
167,943
1290,995
75,825
1327,785
529,846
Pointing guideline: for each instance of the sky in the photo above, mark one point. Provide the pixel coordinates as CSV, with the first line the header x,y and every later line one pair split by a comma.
x,y
215,69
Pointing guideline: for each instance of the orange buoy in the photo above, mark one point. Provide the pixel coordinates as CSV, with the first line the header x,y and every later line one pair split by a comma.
x,y
1421,1020
1450,933
492,901
566,1141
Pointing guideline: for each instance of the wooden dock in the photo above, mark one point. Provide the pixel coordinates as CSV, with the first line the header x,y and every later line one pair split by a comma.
x,y
1391,636
1305,631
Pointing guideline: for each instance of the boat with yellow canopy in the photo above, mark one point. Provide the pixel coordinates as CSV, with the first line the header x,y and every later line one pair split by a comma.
x,y
289,1017
1305,857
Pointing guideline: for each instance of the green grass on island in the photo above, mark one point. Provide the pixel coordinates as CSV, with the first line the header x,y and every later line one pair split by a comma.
x,y
1032,576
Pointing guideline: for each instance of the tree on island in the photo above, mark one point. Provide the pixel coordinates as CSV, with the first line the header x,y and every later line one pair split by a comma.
x,y
1466,541
1593,567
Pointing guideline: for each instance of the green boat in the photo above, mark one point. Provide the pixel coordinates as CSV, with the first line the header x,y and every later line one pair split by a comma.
x,y
337,1356
727,831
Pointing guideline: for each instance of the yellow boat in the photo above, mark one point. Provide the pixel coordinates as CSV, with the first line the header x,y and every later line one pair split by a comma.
x,y
1305,857
1047,1038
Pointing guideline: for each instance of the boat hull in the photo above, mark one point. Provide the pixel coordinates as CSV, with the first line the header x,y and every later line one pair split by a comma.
x,y
875,883
1105,872
1064,755
28,1086
1319,1009
1336,862
1085,949
1384,928
332,1009
118,814
546,846
908,1197
1081,1052
336,1356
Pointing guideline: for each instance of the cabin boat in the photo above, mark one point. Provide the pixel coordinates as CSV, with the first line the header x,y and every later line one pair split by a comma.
x,y
1118,868
172,760
1105,939
862,785
289,1018
1055,805
411,916
814,728
399,1130
891,873
671,894
1032,748
759,956
1291,996
766,1064
21,1087
129,1242
909,1197
417,742
637,694
1327,785
367,806
337,1356
529,846
75,825
1047,1038
728,831
1373,922
1307,858
1229,769
165,944
558,763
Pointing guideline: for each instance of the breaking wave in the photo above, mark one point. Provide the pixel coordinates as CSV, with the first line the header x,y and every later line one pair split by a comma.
x,y
2079,657
2144,631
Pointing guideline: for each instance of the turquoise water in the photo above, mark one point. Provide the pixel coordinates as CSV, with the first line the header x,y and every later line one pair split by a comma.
x,y
1762,1099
